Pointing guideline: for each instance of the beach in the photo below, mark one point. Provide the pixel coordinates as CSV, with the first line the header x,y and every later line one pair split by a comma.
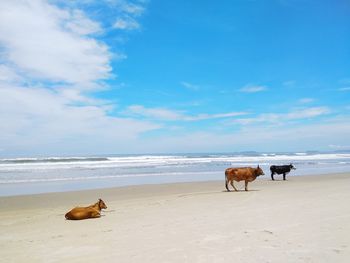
x,y
303,219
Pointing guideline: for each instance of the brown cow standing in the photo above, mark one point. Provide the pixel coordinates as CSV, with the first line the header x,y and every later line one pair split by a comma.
x,y
92,211
246,174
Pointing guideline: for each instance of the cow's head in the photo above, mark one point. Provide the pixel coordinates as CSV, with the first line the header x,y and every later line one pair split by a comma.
x,y
259,171
101,204
292,167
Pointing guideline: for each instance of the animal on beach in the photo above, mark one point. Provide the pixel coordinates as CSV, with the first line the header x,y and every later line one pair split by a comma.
x,y
281,169
92,211
246,174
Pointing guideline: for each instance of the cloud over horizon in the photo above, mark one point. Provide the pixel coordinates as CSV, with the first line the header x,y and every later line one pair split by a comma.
x,y
298,114
172,115
253,88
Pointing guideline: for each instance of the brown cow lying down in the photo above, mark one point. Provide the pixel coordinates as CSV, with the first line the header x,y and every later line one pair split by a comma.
x,y
246,174
92,211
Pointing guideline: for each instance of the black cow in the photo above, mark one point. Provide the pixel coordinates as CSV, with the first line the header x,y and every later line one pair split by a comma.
x,y
281,169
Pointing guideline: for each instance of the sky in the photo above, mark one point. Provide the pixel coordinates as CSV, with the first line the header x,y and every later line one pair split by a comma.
x,y
96,77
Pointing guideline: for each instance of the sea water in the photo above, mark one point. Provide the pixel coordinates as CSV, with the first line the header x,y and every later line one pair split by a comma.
x,y
56,174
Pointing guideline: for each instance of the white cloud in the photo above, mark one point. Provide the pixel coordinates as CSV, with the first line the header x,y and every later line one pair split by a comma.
x,y
81,25
127,12
51,60
132,8
171,115
126,23
307,113
155,113
259,138
339,147
135,8
344,89
7,74
306,100
42,121
50,43
189,86
205,116
283,117
253,88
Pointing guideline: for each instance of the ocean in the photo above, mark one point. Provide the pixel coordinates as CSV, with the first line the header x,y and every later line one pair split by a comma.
x,y
20,176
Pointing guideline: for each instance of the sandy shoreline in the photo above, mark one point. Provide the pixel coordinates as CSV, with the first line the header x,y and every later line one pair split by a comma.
x,y
305,219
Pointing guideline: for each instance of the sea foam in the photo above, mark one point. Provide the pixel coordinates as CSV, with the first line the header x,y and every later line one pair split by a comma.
x,y
139,169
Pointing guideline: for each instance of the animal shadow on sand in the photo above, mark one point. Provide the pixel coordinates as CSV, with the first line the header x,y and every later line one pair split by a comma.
x,y
109,211
240,190
278,180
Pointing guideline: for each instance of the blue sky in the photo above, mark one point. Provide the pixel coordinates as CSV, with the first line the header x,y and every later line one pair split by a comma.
x,y
150,76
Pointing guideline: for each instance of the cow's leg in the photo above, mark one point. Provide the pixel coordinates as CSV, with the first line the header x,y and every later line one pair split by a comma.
x,y
246,185
95,214
284,176
226,185
233,186
272,173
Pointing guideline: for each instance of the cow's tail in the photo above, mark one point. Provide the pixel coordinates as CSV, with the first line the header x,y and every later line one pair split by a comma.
x,y
226,182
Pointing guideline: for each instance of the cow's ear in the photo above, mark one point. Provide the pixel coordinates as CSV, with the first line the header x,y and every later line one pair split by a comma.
x,y
258,166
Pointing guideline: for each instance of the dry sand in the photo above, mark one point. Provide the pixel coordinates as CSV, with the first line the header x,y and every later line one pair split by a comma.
x,y
304,219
